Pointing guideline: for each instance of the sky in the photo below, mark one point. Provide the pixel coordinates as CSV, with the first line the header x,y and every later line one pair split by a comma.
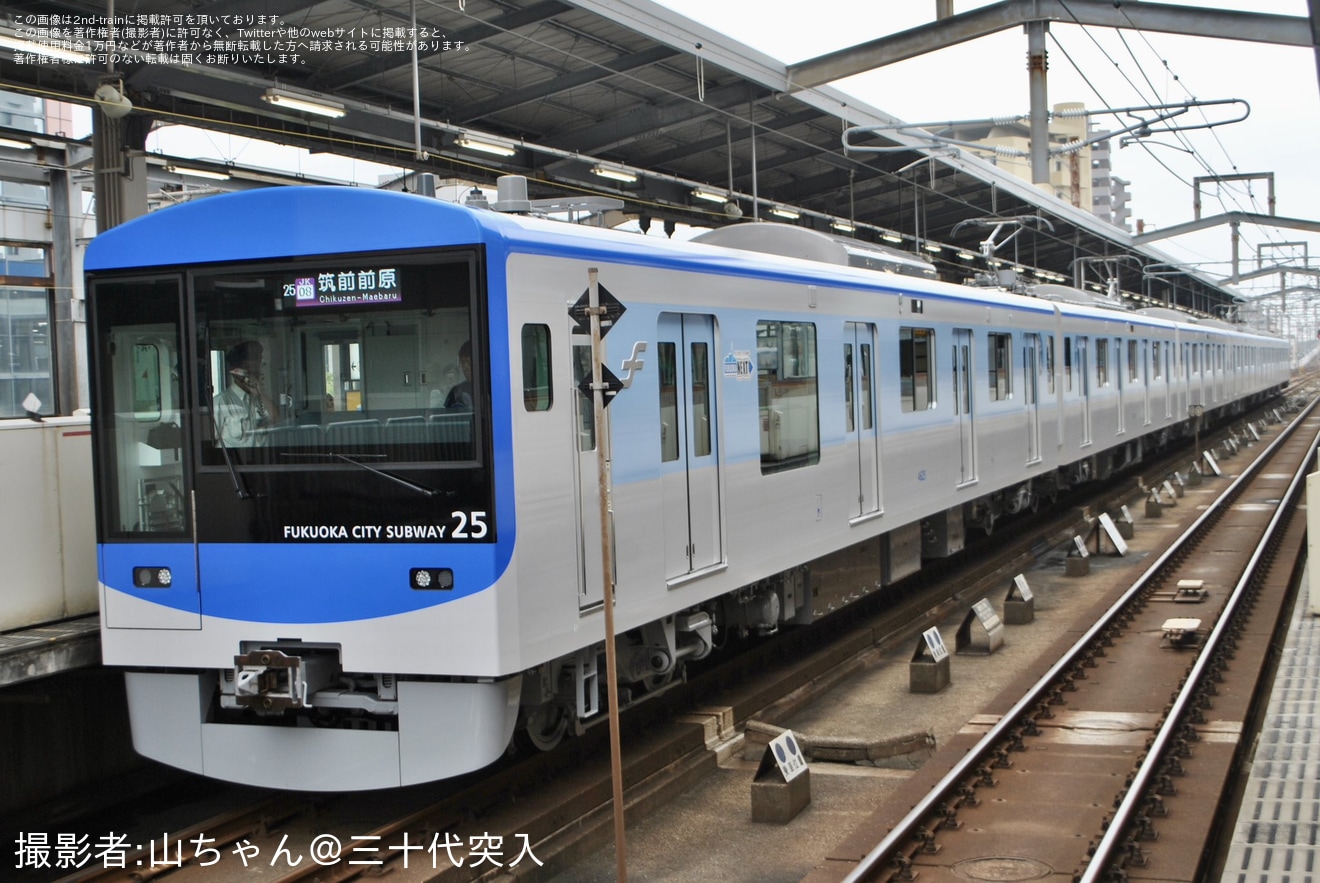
x,y
1100,67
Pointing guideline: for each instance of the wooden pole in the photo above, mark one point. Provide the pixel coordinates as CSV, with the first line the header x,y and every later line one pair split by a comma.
x,y
607,573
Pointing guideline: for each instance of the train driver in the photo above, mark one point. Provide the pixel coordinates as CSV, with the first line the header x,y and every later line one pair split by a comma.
x,y
460,396
244,410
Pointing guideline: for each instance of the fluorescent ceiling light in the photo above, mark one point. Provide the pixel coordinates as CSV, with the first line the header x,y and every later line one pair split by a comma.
x,y
932,248
786,213
891,237
9,40
15,145
305,103
844,227
709,195
614,174
485,146
966,255
198,173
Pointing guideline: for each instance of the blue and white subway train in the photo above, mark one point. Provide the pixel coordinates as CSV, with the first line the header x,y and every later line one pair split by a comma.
x,y
347,497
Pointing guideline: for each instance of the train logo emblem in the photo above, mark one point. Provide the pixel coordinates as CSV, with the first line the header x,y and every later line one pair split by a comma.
x,y
738,365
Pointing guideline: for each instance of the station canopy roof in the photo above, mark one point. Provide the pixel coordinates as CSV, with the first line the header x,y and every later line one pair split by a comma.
x,y
559,89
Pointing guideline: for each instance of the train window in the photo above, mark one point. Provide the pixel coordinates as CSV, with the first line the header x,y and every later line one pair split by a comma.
x,y
1102,361
1047,364
667,356
586,406
916,366
868,417
1157,363
1134,362
850,417
699,369
138,407
1001,366
789,402
1067,364
317,363
538,392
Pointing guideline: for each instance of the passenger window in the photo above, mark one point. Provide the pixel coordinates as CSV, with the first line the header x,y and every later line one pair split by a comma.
x,y
668,358
1001,367
586,406
868,418
850,417
1047,365
916,350
538,391
700,368
1067,364
668,367
1102,361
786,387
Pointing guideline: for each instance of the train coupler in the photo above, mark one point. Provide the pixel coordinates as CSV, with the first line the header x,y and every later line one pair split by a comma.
x,y
270,681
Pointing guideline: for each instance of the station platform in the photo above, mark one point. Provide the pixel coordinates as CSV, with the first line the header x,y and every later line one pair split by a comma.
x,y
39,651
1277,835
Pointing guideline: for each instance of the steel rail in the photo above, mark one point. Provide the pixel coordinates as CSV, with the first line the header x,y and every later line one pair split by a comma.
x,y
1136,792
1035,694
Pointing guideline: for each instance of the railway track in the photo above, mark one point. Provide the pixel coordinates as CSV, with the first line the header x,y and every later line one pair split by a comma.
x,y
556,807
1131,738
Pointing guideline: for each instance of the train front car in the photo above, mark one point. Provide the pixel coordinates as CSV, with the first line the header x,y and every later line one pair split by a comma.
x,y
300,403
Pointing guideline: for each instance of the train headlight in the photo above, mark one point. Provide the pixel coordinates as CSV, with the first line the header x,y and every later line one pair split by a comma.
x,y
431,578
152,577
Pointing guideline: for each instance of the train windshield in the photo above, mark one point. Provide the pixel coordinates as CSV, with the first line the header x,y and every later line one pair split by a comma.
x,y
371,362
283,395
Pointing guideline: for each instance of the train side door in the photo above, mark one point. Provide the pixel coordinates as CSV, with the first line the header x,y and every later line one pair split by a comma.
x,y
1145,381
689,444
963,399
862,434
1031,392
1084,386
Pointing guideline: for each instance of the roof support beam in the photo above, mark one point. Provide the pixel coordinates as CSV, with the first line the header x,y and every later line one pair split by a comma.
x,y
1227,218
1284,30
521,18
565,82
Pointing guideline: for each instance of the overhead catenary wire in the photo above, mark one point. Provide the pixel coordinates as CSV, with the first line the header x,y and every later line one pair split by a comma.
x,y
1188,145
762,131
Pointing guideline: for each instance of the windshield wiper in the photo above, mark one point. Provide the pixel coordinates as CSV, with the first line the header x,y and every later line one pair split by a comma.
x,y
240,487
397,479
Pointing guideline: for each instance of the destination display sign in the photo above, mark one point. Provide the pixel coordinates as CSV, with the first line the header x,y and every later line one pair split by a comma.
x,y
341,288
